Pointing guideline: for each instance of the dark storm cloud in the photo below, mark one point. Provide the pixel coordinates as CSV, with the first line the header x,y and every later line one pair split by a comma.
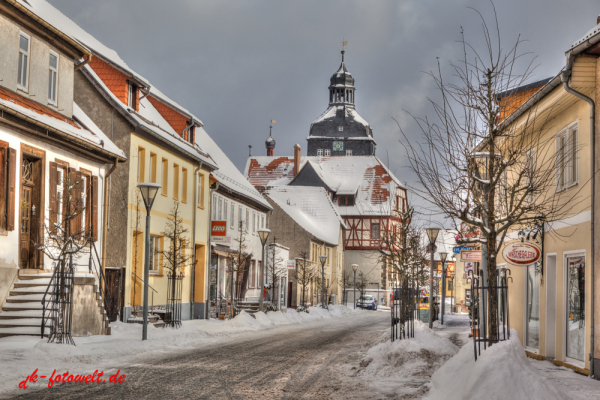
x,y
238,64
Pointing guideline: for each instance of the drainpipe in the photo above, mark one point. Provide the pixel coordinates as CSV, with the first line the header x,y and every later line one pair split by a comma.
x,y
565,80
194,240
147,90
209,250
187,128
105,212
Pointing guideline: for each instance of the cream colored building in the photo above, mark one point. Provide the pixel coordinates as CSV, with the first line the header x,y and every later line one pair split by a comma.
x,y
551,302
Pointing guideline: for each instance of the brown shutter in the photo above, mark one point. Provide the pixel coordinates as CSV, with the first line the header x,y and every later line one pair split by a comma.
x,y
94,213
53,179
12,178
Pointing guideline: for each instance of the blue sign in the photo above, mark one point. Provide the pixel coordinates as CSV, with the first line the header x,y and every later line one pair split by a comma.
x,y
458,249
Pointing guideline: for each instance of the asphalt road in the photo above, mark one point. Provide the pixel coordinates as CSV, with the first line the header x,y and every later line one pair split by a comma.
x,y
313,361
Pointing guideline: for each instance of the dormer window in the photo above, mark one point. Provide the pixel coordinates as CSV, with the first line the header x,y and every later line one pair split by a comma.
x,y
53,78
319,152
130,91
340,128
346,201
23,73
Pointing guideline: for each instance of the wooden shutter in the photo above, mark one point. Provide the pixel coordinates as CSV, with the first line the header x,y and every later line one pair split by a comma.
x,y
53,179
12,179
94,210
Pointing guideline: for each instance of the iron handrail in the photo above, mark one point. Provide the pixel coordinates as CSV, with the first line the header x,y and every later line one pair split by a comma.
x,y
155,291
44,318
106,300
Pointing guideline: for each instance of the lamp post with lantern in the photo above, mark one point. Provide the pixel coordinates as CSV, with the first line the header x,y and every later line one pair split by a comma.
x,y
149,191
323,260
263,233
432,234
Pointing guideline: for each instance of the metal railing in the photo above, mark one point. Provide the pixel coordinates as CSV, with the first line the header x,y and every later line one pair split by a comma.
x,y
153,291
403,312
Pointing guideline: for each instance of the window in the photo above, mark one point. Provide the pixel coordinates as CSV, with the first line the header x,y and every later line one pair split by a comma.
x,y
214,207
130,93
225,211
165,177
253,222
141,164
258,273
319,152
346,201
220,209
247,220
152,167
232,219
566,158
374,231
53,78
340,128
252,274
200,194
23,73
184,173
240,217
190,133
60,191
262,221
84,197
327,152
154,253
348,152
176,181
449,283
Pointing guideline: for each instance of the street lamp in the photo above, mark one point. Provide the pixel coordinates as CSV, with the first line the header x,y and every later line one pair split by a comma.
x,y
323,260
149,191
263,233
432,234
354,268
443,256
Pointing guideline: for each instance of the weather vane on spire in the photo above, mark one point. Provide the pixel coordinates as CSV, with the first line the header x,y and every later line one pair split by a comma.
x,y
344,43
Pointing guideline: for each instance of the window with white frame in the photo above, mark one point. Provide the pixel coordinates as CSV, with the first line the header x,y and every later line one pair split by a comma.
x,y
247,220
53,78
23,73
154,253
220,209
60,190
130,94
214,208
327,152
566,157
348,152
232,216
319,152
252,274
240,217
225,204
253,222
84,189
262,221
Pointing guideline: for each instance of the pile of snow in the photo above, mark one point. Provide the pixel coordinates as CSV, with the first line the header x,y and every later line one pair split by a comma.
x,y
414,357
501,372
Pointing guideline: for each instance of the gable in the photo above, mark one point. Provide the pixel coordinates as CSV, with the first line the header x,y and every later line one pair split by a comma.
x,y
177,121
309,177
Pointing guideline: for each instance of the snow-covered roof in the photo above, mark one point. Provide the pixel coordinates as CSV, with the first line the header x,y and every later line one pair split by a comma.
x,y
80,127
150,119
228,175
311,208
336,116
366,177
590,34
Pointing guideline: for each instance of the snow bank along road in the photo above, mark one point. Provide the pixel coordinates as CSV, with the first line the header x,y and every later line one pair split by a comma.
x,y
310,360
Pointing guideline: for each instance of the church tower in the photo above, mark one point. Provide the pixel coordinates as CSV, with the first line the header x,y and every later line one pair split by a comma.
x,y
340,131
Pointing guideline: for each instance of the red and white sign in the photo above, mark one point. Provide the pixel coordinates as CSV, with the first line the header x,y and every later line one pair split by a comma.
x,y
291,264
470,255
218,228
518,253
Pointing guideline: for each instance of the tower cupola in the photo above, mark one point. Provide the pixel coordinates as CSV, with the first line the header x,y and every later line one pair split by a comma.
x,y
270,142
341,87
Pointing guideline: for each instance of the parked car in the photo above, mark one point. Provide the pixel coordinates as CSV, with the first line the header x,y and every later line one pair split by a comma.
x,y
367,301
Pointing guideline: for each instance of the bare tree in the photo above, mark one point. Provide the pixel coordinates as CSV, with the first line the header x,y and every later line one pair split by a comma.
x,y
346,284
495,176
136,240
239,266
176,256
361,283
305,273
275,268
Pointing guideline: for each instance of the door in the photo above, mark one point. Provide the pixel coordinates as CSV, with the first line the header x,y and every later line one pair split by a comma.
x,y
575,335
289,295
532,306
113,284
551,306
25,224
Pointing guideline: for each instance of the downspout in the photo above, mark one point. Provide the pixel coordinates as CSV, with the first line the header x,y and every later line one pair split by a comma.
x,y
565,81
209,250
187,128
85,61
147,90
105,212
194,240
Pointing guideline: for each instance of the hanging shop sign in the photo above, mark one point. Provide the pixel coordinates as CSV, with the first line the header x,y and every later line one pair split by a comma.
x,y
470,255
291,264
218,233
458,249
521,253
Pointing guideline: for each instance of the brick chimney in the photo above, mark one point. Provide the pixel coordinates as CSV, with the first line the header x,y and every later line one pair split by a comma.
x,y
297,152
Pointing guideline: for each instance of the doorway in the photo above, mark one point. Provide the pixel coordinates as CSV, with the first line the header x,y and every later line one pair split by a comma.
x,y
575,308
31,208
551,306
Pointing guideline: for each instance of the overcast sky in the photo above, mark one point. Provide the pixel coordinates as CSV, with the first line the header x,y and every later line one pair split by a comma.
x,y
238,64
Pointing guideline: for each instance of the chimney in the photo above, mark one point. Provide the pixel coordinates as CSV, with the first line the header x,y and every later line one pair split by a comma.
x,y
598,20
297,151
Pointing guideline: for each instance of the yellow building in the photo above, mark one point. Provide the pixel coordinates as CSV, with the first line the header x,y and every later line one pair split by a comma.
x,y
550,302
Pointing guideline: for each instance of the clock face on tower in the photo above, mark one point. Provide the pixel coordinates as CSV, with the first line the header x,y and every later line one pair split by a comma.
x,y
338,146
